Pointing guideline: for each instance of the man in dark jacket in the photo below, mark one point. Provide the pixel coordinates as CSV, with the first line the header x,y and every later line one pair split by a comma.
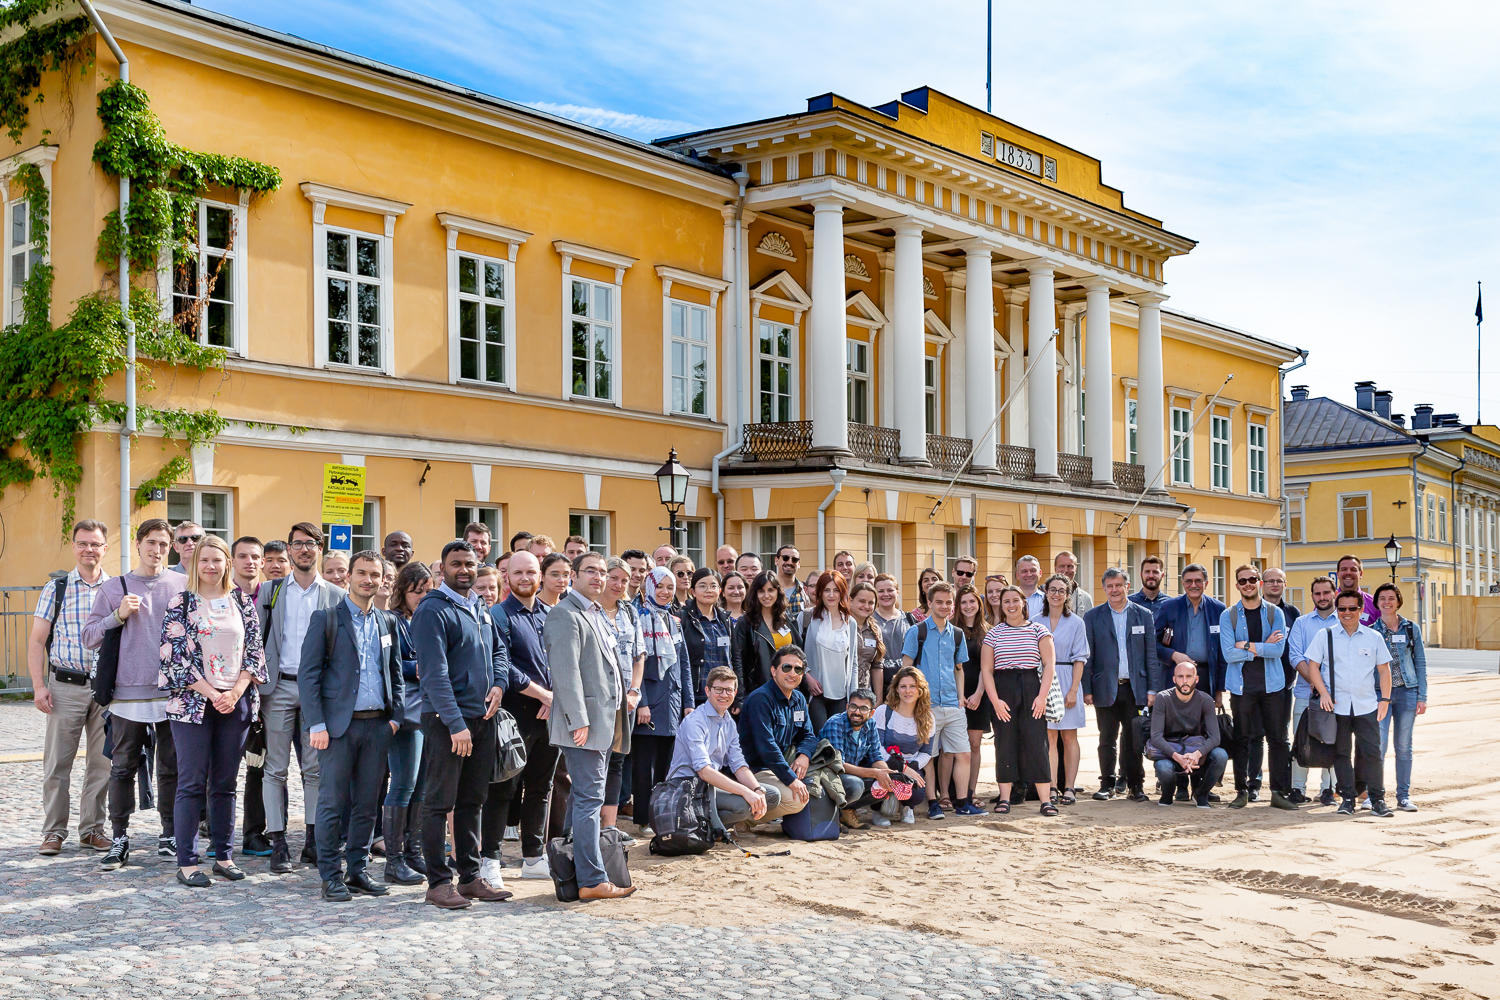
x,y
353,700
776,733
465,671
1122,678
1187,630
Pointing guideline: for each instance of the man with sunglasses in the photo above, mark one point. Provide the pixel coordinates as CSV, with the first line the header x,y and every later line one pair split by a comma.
x,y
1252,635
964,569
776,732
185,539
1354,658
787,561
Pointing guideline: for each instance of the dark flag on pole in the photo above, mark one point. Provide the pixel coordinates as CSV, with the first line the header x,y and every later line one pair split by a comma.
x,y
1479,306
1479,355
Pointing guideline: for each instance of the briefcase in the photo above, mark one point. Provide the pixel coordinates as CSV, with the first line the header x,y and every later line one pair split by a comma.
x,y
1317,730
565,872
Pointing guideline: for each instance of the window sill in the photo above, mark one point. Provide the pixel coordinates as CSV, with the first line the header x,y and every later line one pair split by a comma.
x,y
335,366
689,416
475,383
590,401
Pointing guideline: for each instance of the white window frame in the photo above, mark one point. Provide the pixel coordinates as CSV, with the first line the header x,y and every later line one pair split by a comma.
x,y
1296,514
513,239
1132,433
1220,569
1369,515
226,533
1442,519
1257,472
587,526
786,533
42,157
688,548
1221,451
472,514
1431,517
321,195
879,557
715,287
239,292
620,264
932,393
794,397
863,380
1183,460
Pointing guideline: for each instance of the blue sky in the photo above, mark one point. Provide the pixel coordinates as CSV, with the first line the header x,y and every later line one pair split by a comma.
x,y
1336,161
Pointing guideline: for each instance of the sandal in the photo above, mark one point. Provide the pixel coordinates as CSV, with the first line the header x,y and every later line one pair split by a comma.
x,y
1048,809
1002,807
1067,799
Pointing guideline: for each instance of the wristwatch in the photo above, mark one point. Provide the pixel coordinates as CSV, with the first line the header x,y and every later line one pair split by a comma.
x,y
634,691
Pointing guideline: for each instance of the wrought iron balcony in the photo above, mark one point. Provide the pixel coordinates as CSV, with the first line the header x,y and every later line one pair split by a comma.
x,y
782,442
881,445
1075,470
950,454
1015,461
1130,478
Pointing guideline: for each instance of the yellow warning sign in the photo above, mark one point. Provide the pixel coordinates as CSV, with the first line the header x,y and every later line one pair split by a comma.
x,y
343,494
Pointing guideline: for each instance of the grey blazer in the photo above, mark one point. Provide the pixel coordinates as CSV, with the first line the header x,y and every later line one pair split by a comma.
x,y
585,682
272,613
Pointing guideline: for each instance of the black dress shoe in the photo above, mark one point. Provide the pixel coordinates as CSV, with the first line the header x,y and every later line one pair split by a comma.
x,y
363,884
281,858
334,891
229,870
1326,797
1137,795
310,847
197,880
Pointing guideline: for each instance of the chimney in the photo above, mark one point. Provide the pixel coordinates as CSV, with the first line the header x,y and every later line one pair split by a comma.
x,y
1421,417
1399,419
1364,395
1299,393
1383,402
1445,420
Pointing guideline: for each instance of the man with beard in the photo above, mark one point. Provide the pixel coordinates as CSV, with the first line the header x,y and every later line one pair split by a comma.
x,y
1150,596
1185,737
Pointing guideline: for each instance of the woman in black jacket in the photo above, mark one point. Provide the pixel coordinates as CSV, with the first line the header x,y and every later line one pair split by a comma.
x,y
705,631
760,632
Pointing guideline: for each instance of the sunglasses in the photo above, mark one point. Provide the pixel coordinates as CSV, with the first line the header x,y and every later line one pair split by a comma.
x,y
963,573
1247,579
195,539
791,559
791,668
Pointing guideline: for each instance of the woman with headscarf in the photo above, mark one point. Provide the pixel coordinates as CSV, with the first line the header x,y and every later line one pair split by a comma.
x,y
666,682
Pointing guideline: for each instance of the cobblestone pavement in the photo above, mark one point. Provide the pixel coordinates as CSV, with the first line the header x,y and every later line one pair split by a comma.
x,y
68,929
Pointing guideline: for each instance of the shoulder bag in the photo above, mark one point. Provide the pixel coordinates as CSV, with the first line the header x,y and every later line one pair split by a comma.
x,y
1317,729
107,667
510,748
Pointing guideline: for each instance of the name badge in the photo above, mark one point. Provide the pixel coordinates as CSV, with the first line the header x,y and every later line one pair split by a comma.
x,y
1399,638
797,716
219,604
723,640
869,643
385,642
1137,630
1213,630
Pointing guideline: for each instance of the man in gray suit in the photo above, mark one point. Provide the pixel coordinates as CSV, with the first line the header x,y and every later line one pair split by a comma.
x,y
587,690
353,701
285,609
1123,677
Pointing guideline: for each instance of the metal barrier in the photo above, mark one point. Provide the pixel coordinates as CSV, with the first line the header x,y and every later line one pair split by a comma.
x,y
17,606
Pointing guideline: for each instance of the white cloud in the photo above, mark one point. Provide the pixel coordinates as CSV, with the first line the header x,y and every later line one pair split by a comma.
x,y
621,122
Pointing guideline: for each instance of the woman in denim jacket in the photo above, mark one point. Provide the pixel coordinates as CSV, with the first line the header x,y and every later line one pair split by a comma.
x,y
1403,637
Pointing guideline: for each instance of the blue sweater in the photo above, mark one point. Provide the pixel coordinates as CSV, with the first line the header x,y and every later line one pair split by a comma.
x,y
773,728
462,657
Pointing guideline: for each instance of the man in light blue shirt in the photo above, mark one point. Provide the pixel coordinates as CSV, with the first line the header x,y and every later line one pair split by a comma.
x,y
708,742
1303,631
941,659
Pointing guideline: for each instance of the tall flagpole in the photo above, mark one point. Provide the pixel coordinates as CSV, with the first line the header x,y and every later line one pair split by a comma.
x,y
1479,356
989,54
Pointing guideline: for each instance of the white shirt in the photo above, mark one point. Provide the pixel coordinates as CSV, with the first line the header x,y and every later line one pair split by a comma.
x,y
1355,659
299,604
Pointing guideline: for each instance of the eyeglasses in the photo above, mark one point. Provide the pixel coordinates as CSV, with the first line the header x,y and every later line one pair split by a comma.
x,y
302,543
90,545
592,570
1350,611
722,692
859,710
195,539
1060,591
791,668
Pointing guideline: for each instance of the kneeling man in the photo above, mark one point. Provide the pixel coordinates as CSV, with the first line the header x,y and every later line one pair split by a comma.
x,y
708,743
1185,737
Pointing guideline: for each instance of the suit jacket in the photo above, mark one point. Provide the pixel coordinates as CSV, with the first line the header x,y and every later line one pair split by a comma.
x,y
328,680
1174,615
272,613
585,681
1103,681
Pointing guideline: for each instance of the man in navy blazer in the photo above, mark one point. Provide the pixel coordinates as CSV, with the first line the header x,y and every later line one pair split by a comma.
x,y
352,699
1187,631
1123,677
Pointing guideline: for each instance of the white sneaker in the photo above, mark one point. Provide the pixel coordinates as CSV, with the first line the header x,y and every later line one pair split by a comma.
x,y
535,868
491,872
512,833
879,820
907,816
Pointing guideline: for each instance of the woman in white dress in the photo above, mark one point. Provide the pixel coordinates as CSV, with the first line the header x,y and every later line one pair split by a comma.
x,y
1072,649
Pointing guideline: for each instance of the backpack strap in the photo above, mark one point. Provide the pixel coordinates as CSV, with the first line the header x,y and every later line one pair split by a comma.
x,y
60,587
916,661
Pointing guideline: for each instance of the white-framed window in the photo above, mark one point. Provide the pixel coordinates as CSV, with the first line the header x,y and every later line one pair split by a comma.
x,y
1182,446
482,318
857,380
22,255
593,340
1256,437
593,527
1431,516
366,534
1354,516
930,395
879,547
208,281
954,548
775,379
1218,435
489,516
1442,519
773,537
1131,427
1294,596
213,509
694,532
355,293
690,345
1295,520
1221,577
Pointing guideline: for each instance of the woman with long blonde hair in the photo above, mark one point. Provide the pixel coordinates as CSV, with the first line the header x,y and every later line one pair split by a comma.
x,y
905,722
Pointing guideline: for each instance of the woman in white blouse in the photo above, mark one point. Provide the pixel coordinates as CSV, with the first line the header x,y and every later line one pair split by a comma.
x,y
830,638
1071,646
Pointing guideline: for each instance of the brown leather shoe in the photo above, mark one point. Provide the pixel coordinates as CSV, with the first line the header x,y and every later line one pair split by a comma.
x,y
481,890
604,890
443,895
52,844
95,842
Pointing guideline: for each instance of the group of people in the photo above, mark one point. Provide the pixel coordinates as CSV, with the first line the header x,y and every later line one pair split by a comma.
x,y
394,681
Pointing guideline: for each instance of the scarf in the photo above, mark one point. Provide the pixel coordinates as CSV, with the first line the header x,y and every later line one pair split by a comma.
x,y
656,623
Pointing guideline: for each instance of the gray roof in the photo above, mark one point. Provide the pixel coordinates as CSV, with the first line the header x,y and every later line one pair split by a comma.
x,y
1320,424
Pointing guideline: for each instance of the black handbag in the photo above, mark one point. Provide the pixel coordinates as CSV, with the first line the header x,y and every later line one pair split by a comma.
x,y
510,748
1317,730
565,872
107,667
683,814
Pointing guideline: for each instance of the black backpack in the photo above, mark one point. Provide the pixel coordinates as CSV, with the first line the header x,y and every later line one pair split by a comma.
x,y
684,816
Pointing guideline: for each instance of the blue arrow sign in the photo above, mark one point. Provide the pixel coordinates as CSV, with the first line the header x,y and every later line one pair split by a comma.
x,y
340,538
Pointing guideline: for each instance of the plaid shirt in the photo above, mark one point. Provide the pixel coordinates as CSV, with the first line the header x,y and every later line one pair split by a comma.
x,y
796,601
67,634
861,748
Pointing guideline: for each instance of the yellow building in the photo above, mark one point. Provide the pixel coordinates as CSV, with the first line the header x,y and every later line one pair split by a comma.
x,y
1358,476
511,317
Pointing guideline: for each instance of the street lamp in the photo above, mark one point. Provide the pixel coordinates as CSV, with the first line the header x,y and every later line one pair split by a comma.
x,y
672,484
1393,555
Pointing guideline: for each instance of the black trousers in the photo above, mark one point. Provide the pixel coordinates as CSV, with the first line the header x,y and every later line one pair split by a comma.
x,y
129,739
352,769
459,784
820,710
1021,743
531,790
1367,772
254,804
1120,739
1261,718
650,759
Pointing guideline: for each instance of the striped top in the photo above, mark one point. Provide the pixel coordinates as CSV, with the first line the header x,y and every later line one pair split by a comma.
x,y
1017,647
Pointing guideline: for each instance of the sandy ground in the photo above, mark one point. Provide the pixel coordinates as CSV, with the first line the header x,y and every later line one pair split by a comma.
x,y
1226,904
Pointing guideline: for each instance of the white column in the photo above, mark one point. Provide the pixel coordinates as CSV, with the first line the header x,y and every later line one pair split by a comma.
x,y
1098,383
1042,385
908,343
956,355
1151,429
1015,368
826,330
1071,372
979,351
728,396
885,380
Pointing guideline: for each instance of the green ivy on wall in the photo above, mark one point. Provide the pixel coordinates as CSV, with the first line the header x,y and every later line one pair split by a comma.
x,y
53,379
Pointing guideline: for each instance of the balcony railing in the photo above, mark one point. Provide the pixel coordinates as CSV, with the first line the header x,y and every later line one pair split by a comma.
x,y
881,445
950,454
1076,470
783,442
1015,461
1130,478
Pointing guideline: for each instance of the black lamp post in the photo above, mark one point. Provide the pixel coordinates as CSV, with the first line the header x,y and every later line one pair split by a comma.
x,y
1393,555
672,484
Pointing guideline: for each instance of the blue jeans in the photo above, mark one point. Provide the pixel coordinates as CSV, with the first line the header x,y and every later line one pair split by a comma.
x,y
404,758
1207,776
1404,712
587,770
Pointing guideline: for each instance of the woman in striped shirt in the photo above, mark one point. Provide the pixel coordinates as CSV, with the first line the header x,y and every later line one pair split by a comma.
x,y
1016,665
